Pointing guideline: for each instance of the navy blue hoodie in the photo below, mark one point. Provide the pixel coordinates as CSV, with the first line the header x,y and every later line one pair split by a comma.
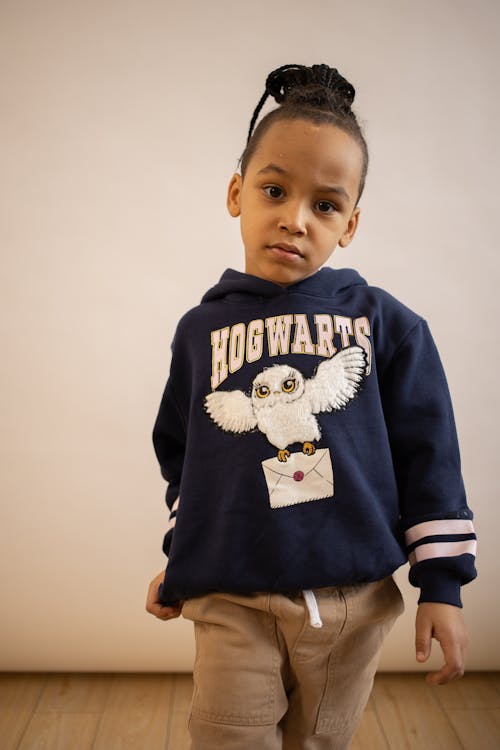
x,y
307,437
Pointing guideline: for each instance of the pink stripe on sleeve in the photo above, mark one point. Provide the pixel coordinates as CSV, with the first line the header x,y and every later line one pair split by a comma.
x,y
442,549
433,528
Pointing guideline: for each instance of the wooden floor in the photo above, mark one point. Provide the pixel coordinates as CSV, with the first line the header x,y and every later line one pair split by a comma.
x,y
149,712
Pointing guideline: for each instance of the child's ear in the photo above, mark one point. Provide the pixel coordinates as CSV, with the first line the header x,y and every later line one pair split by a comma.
x,y
351,228
234,195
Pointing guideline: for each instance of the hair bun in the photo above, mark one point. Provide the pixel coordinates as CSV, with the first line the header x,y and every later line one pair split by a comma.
x,y
318,85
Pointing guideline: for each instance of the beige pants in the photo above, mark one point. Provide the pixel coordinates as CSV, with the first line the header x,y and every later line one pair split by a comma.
x,y
266,679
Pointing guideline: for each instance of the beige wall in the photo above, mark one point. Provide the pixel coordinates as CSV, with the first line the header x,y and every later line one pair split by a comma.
x,y
121,123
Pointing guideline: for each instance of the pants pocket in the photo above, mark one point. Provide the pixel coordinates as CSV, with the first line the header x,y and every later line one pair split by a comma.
x,y
236,671
371,611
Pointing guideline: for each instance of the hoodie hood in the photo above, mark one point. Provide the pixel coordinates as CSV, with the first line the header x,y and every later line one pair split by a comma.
x,y
327,282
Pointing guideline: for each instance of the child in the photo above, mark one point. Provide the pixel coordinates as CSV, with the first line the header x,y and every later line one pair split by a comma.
x,y
308,440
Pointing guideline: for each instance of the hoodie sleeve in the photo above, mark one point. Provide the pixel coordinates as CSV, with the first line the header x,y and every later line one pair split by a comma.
x,y
436,522
169,438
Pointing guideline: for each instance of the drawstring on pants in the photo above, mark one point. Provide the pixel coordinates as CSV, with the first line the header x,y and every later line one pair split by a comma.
x,y
312,606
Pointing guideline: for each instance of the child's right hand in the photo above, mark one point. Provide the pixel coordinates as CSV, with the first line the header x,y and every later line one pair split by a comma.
x,y
153,605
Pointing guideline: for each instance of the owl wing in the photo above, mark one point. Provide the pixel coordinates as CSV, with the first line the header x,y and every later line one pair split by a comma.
x,y
337,380
231,410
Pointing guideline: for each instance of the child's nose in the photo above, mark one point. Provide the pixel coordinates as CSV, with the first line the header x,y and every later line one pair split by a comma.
x,y
293,219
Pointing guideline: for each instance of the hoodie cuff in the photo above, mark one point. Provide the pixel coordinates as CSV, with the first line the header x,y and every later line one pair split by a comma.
x,y
168,602
439,587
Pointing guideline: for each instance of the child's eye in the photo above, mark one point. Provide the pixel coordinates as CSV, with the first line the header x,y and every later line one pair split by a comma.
x,y
273,191
325,207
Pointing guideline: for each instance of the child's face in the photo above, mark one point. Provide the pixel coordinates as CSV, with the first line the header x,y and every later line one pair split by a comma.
x,y
297,200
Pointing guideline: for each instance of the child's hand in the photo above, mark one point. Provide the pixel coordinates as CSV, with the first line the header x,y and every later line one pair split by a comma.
x,y
445,623
153,605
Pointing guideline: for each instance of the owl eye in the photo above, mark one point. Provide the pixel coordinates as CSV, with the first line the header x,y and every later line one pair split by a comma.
x,y
288,385
262,391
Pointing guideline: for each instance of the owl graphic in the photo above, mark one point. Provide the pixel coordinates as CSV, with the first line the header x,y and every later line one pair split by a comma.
x,y
283,403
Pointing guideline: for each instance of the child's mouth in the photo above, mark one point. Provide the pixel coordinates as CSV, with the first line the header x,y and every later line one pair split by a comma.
x,y
285,250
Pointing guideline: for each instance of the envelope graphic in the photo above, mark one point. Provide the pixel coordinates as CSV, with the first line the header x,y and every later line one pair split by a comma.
x,y
300,479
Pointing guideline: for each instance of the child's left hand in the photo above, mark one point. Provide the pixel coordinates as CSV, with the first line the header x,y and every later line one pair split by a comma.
x,y
153,604
445,623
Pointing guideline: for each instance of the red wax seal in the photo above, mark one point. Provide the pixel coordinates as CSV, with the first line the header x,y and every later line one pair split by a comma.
x,y
298,476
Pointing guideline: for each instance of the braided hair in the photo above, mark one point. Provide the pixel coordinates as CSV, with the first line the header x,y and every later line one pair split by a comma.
x,y
318,94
